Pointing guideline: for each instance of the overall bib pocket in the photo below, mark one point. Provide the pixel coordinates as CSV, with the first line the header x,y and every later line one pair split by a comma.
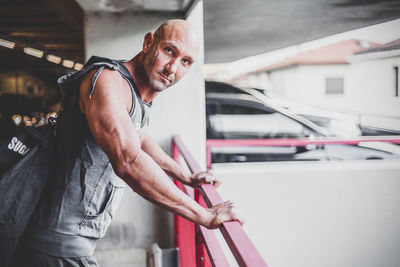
x,y
102,206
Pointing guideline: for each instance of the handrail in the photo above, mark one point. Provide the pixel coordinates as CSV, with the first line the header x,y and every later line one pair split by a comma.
x,y
295,142
241,246
301,141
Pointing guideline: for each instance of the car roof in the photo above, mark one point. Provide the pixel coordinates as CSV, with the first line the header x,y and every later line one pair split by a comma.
x,y
233,97
220,87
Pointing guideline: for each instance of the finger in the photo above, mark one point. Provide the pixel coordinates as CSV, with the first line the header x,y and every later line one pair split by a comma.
x,y
217,183
240,220
209,171
233,214
223,204
228,203
208,179
236,217
211,179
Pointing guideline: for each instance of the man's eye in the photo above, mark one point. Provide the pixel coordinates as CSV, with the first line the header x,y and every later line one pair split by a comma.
x,y
168,50
186,61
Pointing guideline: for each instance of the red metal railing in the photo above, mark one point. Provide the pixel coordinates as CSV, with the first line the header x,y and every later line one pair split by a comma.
x,y
293,142
199,245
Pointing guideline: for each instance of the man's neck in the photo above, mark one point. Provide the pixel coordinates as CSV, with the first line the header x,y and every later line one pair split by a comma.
x,y
135,67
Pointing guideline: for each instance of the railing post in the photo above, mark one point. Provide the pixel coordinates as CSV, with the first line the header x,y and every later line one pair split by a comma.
x,y
201,260
208,155
175,153
182,226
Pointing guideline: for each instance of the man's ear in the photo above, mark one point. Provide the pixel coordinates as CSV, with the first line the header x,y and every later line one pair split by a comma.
x,y
148,41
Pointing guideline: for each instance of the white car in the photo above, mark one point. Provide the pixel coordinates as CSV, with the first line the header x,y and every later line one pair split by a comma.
x,y
332,123
235,114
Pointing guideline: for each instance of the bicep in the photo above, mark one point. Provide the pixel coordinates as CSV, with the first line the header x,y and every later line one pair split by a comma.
x,y
107,117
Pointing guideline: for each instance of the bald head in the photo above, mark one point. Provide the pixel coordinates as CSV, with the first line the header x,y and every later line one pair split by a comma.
x,y
168,53
177,27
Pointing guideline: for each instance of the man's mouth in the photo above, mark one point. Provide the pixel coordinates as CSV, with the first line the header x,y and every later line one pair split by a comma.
x,y
165,78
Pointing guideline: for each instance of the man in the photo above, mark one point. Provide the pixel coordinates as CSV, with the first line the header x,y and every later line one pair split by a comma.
x,y
104,106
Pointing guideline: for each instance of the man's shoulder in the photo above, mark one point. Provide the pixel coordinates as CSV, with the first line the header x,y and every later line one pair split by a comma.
x,y
94,64
108,85
106,77
97,60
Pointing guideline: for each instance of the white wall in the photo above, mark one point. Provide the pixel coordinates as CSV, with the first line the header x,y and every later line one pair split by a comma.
x,y
306,84
372,91
179,110
318,213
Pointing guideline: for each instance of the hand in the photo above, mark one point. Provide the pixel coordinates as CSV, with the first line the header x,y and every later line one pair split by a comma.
x,y
200,178
222,213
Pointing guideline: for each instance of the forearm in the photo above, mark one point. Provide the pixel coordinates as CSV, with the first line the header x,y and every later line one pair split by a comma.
x,y
170,166
146,178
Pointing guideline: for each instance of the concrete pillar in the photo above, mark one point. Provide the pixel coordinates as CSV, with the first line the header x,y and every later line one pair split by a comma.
x,y
179,110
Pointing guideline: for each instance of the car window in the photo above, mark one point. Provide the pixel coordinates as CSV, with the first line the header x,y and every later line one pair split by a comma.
x,y
237,121
216,87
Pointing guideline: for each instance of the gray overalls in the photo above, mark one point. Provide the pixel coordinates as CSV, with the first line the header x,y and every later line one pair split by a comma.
x,y
85,191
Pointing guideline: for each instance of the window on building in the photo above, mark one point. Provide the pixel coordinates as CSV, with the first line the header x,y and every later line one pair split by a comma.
x,y
396,81
334,86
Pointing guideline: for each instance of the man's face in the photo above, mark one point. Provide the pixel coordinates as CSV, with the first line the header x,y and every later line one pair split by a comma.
x,y
169,57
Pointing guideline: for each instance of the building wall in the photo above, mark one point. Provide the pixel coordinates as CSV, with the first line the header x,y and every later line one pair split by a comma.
x,y
369,87
179,110
306,84
373,91
318,213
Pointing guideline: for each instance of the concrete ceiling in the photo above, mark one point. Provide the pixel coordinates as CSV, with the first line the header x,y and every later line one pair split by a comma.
x,y
41,24
236,29
233,28
134,5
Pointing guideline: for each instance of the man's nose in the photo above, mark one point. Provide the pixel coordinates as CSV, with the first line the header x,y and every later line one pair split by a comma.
x,y
172,66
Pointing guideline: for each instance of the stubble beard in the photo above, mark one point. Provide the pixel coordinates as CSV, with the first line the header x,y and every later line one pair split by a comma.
x,y
156,85
152,74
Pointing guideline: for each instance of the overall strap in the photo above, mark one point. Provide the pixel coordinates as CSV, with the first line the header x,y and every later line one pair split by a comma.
x,y
127,75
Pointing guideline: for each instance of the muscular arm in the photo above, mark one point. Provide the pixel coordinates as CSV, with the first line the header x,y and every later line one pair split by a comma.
x,y
107,116
170,166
